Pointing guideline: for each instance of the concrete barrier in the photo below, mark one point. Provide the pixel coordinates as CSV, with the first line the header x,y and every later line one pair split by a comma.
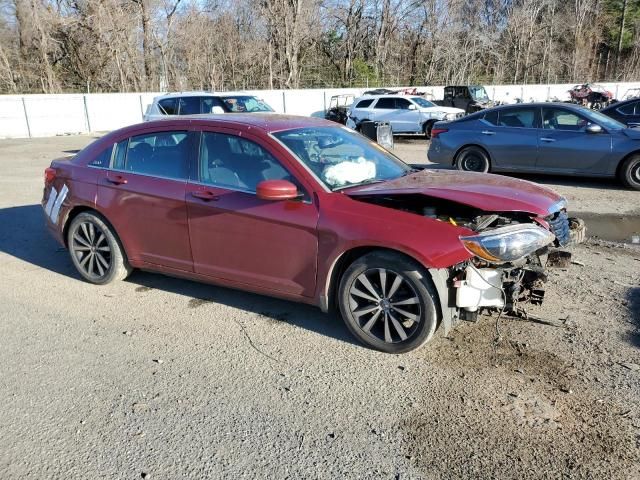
x,y
48,115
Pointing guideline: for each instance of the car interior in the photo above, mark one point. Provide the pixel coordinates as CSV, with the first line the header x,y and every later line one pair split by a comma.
x,y
229,161
159,154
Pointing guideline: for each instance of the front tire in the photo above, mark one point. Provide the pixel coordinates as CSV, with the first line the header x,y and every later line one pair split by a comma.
x,y
473,159
630,172
95,250
388,302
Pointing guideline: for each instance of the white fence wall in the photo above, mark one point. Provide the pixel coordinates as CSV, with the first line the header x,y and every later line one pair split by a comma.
x,y
48,115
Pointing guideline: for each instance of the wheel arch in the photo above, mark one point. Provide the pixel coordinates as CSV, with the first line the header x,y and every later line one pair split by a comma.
x,y
77,210
340,265
455,155
623,160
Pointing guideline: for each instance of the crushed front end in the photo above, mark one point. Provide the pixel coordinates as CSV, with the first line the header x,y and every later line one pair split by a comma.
x,y
511,253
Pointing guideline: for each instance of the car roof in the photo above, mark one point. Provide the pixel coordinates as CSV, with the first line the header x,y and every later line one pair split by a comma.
x,y
200,94
267,122
389,95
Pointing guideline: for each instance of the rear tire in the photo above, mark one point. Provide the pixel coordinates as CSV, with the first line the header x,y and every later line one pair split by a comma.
x,y
630,172
95,250
426,129
473,159
388,302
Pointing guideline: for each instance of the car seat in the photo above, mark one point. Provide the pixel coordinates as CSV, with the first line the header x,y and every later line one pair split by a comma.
x,y
137,157
217,161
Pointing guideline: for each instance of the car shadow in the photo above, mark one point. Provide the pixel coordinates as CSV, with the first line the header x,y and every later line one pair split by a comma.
x,y
24,236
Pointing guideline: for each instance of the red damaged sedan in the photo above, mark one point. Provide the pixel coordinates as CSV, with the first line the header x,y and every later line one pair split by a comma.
x,y
310,211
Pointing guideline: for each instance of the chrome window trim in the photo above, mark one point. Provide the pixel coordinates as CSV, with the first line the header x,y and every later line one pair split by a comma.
x,y
161,177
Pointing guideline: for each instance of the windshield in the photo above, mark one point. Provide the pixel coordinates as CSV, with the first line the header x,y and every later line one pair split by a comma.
x,y
246,103
422,102
341,158
601,119
478,93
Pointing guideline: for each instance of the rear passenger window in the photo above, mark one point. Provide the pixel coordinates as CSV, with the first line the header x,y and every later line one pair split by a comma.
x,y
491,118
189,105
386,103
364,103
518,117
161,154
103,159
168,106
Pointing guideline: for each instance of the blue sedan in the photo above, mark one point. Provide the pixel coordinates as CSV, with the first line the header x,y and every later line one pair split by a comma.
x,y
553,138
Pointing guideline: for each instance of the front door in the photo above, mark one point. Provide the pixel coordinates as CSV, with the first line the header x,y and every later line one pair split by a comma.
x,y
237,236
566,146
143,194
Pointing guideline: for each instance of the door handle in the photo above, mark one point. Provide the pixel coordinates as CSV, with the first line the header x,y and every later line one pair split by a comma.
x,y
547,139
117,180
205,195
488,132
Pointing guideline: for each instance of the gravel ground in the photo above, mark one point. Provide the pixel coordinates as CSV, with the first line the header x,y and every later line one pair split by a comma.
x,y
157,377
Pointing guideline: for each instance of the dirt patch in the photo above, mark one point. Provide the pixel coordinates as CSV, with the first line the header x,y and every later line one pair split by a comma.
x,y
519,406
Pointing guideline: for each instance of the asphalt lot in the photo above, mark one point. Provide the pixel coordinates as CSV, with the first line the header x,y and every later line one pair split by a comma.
x,y
157,377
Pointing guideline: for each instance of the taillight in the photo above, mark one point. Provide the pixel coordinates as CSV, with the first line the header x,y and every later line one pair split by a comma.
x,y
49,175
437,131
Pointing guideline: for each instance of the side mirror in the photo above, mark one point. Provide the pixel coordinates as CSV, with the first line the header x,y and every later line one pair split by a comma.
x,y
217,109
277,190
412,107
593,128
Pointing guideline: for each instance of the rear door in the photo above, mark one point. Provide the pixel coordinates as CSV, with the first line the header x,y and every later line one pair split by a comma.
x,y
143,195
236,236
384,110
566,147
511,137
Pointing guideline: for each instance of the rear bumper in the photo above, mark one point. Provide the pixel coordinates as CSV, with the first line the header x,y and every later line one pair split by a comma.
x,y
437,154
52,228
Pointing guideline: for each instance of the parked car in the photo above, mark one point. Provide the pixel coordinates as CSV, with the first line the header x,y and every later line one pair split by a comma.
x,y
469,98
406,114
194,103
306,210
553,138
627,112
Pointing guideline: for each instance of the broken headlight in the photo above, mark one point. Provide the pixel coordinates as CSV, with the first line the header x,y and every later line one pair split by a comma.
x,y
507,244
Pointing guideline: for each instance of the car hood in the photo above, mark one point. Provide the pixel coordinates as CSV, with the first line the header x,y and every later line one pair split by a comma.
x,y
487,192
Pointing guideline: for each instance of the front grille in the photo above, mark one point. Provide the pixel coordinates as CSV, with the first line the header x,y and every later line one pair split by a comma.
x,y
559,224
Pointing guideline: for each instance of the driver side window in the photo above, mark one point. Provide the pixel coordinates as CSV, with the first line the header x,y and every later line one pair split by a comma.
x,y
560,119
233,162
